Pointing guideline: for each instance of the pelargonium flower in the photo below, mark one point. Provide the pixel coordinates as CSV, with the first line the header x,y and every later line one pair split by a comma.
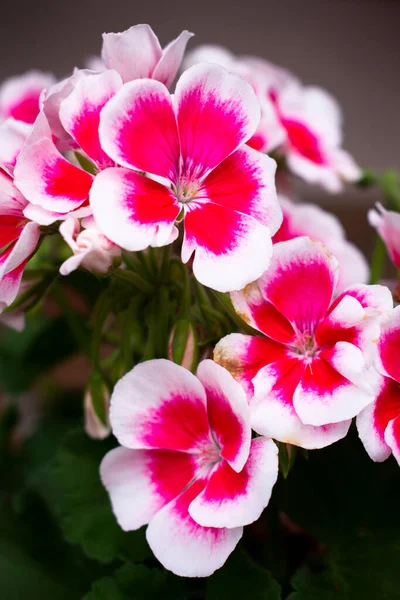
x,y
312,371
187,465
18,239
20,96
13,135
387,224
312,221
379,423
313,123
192,148
91,249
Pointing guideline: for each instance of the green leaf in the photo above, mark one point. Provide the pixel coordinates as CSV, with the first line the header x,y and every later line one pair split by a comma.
x,y
240,577
137,582
82,504
350,506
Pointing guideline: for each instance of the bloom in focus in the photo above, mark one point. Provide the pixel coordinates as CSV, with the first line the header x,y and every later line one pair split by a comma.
x,y
192,148
18,239
387,224
312,221
187,465
379,423
312,371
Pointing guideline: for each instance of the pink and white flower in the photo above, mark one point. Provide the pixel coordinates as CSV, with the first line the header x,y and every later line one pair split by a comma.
x,y
18,239
92,250
137,54
192,148
312,371
312,221
187,465
313,123
20,96
13,135
387,224
379,423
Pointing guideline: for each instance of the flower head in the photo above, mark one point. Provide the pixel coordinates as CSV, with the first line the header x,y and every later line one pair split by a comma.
x,y
312,371
187,465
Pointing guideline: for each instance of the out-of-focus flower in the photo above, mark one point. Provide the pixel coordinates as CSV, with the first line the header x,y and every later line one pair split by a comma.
x,y
13,135
387,223
94,426
304,121
92,250
187,466
379,423
20,96
224,189
312,372
136,54
312,221
313,123
18,239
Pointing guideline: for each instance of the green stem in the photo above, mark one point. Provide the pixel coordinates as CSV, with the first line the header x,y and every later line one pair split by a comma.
x,y
74,323
378,260
135,279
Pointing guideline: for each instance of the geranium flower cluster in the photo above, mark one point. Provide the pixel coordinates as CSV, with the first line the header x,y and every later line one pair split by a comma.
x,y
117,163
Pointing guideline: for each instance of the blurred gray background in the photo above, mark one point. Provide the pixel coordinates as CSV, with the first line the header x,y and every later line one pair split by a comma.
x,y
349,47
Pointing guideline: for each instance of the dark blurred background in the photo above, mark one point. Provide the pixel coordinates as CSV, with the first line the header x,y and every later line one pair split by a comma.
x,y
349,47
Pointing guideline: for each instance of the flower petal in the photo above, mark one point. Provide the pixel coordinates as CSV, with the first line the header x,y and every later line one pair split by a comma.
x,y
134,53
389,344
20,251
325,396
232,499
141,482
13,135
293,263
231,249
252,307
159,404
184,547
80,112
133,211
9,286
228,413
45,177
168,66
245,182
19,96
138,129
372,422
244,355
210,100
392,437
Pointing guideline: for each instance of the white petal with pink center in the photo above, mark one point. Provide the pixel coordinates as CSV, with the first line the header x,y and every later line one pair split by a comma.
x,y
19,96
387,223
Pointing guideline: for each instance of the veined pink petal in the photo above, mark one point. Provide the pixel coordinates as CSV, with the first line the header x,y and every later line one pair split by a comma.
x,y
19,96
80,112
373,421
273,413
183,546
210,100
20,251
231,249
293,263
244,355
228,413
133,211
45,177
134,53
159,405
141,482
13,135
168,65
252,307
389,345
232,499
325,396
245,182
138,129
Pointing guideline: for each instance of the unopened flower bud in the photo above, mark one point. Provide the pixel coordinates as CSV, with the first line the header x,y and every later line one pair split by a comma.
x,y
94,426
182,347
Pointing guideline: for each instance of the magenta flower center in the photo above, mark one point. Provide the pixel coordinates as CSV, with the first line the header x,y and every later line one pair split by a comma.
x,y
209,454
186,189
